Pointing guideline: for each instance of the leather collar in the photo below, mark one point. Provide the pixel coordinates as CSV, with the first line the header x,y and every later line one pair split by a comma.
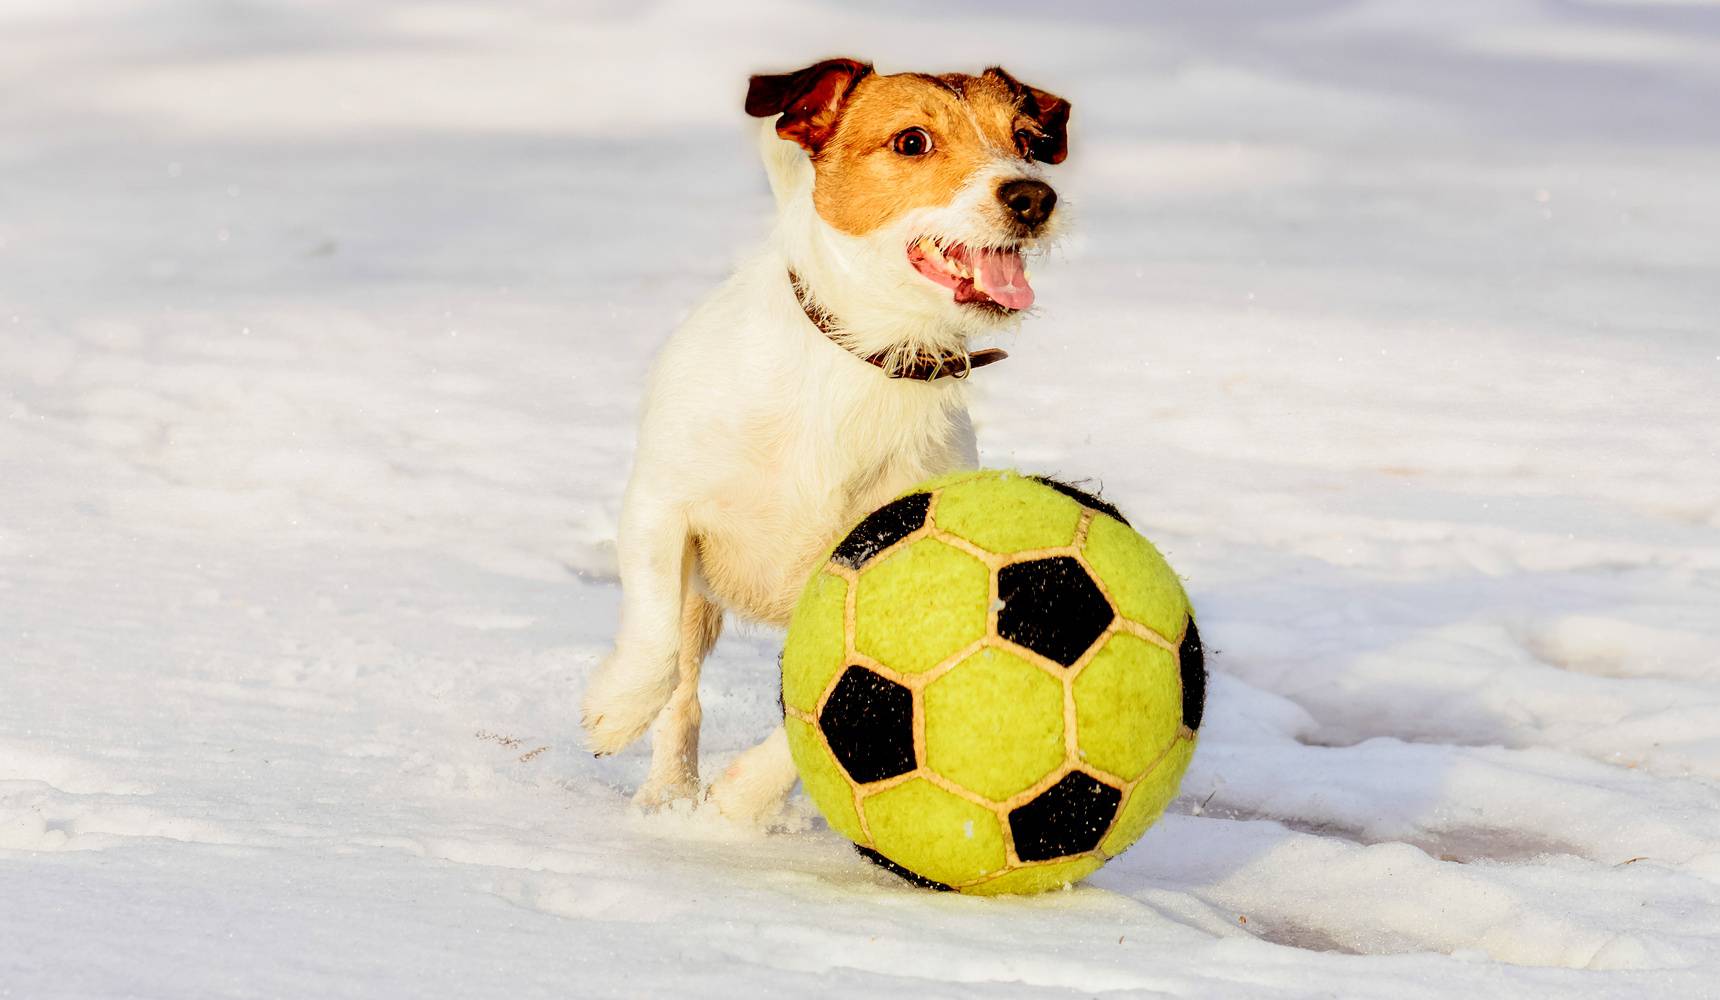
x,y
925,366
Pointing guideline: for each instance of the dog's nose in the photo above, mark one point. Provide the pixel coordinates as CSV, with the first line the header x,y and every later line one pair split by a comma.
x,y
1029,201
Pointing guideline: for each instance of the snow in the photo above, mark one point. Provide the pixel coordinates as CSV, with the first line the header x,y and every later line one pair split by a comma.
x,y
321,333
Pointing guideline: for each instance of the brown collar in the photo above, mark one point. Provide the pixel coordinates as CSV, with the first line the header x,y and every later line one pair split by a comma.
x,y
924,366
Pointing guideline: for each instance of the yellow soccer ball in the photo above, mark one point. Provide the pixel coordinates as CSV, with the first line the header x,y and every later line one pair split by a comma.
x,y
993,684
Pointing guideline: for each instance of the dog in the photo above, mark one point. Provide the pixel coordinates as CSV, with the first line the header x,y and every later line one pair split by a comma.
x,y
825,377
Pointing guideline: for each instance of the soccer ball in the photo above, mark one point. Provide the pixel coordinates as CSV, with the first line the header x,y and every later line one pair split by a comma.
x,y
993,684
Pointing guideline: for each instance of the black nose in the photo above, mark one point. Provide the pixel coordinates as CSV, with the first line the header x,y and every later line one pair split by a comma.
x,y
1029,201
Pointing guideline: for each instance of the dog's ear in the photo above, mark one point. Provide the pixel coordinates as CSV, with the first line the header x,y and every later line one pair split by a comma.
x,y
809,100
1050,112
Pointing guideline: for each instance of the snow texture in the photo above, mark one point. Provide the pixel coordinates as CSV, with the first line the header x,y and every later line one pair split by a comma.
x,y
322,327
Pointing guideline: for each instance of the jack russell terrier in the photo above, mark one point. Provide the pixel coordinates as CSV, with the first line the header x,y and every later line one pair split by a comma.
x,y
821,380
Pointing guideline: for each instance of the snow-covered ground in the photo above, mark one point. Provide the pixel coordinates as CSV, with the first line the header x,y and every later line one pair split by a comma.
x,y
1397,324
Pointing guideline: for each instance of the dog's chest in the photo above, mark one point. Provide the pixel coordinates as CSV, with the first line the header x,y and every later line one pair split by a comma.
x,y
763,531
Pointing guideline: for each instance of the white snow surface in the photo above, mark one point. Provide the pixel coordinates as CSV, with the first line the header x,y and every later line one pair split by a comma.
x,y
322,327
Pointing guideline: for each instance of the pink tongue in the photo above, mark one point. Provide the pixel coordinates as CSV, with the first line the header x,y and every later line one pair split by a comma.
x,y
1003,278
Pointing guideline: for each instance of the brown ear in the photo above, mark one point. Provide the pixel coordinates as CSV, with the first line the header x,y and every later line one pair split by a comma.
x,y
1049,111
808,100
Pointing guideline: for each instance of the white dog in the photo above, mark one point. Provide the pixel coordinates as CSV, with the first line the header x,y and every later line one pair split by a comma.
x,y
825,377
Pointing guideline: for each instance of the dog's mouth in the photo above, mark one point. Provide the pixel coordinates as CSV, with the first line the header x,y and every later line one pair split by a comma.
x,y
987,277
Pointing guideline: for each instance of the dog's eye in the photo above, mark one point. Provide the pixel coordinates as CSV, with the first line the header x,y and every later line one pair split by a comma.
x,y
912,142
1024,143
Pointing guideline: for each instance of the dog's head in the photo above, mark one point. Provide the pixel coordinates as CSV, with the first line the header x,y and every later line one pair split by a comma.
x,y
929,187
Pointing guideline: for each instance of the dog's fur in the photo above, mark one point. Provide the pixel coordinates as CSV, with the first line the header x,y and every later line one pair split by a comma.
x,y
762,440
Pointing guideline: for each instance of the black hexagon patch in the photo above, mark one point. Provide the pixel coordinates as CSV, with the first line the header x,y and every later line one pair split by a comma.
x,y
1052,607
1191,660
1091,501
897,870
881,529
1070,817
869,723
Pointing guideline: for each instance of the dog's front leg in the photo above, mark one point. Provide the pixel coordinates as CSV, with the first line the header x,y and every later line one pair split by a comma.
x,y
634,682
675,740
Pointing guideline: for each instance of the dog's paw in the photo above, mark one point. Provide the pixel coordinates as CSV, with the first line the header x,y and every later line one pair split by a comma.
x,y
741,804
658,793
620,704
754,788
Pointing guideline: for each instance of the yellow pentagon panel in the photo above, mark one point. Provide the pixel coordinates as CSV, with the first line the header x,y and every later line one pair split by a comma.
x,y
919,605
1149,799
823,779
1140,582
934,833
1128,705
813,652
994,724
1007,512
1038,878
